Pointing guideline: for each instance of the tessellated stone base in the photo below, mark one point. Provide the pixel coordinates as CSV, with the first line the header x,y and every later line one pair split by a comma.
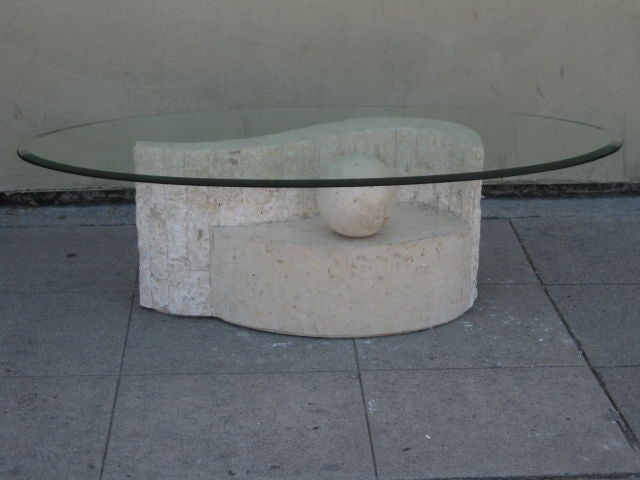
x,y
262,257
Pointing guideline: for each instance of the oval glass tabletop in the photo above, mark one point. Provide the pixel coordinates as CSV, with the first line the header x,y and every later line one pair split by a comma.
x,y
285,147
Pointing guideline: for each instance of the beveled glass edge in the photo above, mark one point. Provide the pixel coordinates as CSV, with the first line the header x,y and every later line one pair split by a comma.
x,y
318,183
606,150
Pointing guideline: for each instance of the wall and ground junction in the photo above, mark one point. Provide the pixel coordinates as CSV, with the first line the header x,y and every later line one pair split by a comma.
x,y
72,61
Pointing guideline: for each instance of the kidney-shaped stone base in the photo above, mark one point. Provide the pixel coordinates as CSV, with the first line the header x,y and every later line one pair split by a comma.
x,y
262,257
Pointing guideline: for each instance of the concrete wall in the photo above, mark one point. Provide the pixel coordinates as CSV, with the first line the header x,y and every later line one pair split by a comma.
x,y
66,62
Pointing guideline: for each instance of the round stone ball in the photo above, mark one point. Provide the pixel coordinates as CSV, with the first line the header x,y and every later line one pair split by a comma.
x,y
356,211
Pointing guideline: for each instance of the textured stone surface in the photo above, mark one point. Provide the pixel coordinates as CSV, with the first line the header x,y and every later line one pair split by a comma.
x,y
175,222
174,236
302,278
461,199
410,146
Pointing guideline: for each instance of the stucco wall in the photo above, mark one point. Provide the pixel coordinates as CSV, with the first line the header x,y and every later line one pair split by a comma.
x,y
66,62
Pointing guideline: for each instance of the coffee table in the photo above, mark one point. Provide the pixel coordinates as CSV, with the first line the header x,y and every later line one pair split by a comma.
x,y
317,221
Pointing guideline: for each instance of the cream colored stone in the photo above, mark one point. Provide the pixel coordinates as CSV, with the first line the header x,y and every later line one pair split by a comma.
x,y
299,277
356,211
459,198
181,230
406,145
174,236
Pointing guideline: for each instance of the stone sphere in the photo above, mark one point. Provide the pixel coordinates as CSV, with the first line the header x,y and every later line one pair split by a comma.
x,y
356,211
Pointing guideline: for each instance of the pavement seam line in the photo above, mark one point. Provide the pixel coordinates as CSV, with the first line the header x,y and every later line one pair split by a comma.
x,y
117,389
240,372
572,476
364,408
306,372
617,415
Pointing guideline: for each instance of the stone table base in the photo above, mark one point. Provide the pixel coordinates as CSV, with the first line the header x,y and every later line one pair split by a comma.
x,y
296,275
261,257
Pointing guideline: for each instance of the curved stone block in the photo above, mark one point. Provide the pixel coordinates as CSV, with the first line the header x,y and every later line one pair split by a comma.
x,y
299,277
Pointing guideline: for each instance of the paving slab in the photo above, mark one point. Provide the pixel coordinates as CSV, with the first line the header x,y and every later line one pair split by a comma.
x,y
63,259
167,344
561,207
54,427
284,426
623,383
502,259
509,326
494,423
63,334
572,250
604,318
68,215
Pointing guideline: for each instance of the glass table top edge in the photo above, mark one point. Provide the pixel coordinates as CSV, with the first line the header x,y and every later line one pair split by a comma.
x,y
321,183
614,144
